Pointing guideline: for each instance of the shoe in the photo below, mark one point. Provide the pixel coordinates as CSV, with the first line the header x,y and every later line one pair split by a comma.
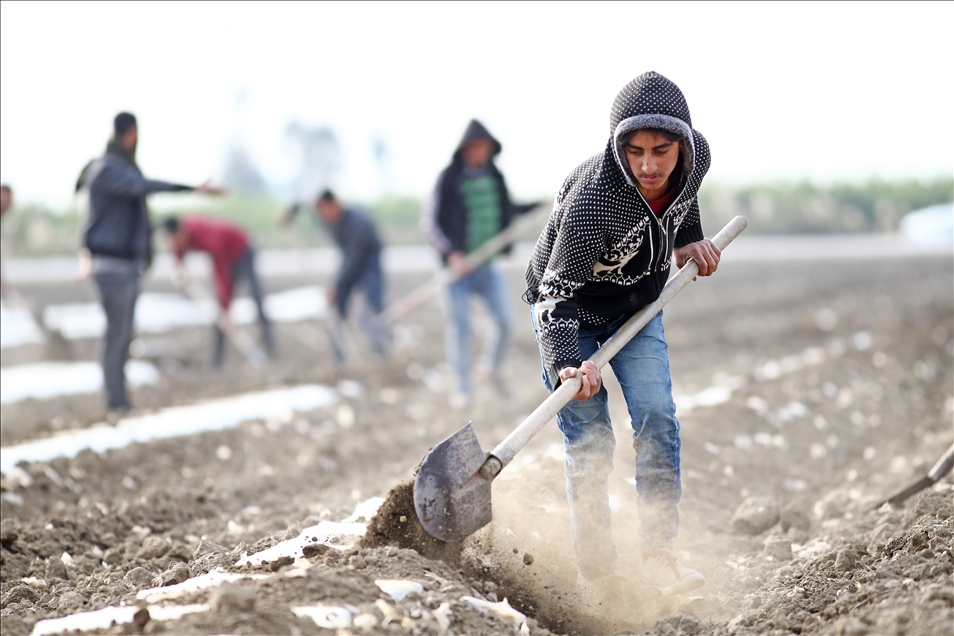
x,y
662,570
114,415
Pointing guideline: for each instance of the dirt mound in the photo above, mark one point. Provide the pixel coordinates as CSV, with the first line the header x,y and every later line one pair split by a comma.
x,y
396,524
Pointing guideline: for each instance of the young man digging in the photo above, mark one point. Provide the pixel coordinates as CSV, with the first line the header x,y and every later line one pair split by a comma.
x,y
606,252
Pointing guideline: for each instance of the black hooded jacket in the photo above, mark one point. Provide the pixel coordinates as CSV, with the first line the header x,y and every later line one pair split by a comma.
x,y
604,254
445,216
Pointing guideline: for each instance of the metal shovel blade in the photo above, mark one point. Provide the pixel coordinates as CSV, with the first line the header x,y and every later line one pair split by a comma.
x,y
451,499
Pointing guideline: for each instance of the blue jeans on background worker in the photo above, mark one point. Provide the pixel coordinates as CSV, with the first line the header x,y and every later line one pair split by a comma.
x,y
642,369
489,283
371,320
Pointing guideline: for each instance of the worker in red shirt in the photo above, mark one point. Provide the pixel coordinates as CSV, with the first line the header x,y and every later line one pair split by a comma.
x,y
233,259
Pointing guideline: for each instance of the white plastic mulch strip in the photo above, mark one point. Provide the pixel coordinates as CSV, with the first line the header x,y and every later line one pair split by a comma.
x,y
104,618
172,422
331,533
327,616
156,313
398,589
50,379
335,534
18,327
502,610
365,510
212,579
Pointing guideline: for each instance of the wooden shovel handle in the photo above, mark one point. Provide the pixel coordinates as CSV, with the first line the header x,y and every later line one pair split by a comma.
x,y
504,452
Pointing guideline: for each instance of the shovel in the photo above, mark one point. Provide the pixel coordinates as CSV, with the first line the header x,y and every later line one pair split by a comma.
x,y
941,468
452,487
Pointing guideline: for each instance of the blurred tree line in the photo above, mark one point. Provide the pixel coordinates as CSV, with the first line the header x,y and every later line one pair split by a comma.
x,y
804,208
772,208
35,230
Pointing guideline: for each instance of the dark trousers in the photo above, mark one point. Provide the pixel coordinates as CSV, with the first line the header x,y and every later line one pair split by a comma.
x,y
371,282
244,269
117,293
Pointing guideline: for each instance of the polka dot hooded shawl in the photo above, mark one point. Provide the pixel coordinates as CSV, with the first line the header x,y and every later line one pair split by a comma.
x,y
604,254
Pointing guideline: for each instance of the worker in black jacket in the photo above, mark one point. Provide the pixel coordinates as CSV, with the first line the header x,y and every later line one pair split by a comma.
x,y
118,237
621,220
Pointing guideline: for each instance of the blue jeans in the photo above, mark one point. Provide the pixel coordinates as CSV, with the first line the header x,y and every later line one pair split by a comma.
x,y
487,282
372,322
371,281
642,368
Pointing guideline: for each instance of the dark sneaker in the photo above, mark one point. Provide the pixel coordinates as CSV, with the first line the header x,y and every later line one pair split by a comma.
x,y
662,570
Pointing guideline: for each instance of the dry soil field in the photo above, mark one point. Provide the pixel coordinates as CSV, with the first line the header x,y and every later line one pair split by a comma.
x,y
815,387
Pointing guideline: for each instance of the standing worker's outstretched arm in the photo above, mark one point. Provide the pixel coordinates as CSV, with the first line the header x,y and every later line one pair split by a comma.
x,y
122,180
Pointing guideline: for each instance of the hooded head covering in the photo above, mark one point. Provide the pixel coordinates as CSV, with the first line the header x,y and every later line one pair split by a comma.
x,y
650,101
476,130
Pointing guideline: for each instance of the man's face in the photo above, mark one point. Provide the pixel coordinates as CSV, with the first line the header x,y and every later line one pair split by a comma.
x,y
330,211
130,138
6,200
652,159
478,152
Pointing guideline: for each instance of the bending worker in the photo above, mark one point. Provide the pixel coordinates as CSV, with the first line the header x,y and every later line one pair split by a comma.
x,y
233,260
360,246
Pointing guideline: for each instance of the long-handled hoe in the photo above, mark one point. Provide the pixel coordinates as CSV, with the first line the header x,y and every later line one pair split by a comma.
x,y
198,292
418,296
452,488
938,471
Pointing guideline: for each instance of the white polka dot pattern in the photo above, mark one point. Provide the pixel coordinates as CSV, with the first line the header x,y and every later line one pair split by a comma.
x,y
604,254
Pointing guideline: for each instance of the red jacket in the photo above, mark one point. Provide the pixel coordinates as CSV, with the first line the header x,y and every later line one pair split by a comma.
x,y
224,242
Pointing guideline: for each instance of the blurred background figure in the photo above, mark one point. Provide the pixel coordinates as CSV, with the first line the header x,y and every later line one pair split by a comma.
x,y
469,206
6,202
118,237
6,198
233,259
360,245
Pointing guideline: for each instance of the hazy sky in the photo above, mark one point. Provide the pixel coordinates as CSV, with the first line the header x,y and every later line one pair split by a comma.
x,y
825,91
